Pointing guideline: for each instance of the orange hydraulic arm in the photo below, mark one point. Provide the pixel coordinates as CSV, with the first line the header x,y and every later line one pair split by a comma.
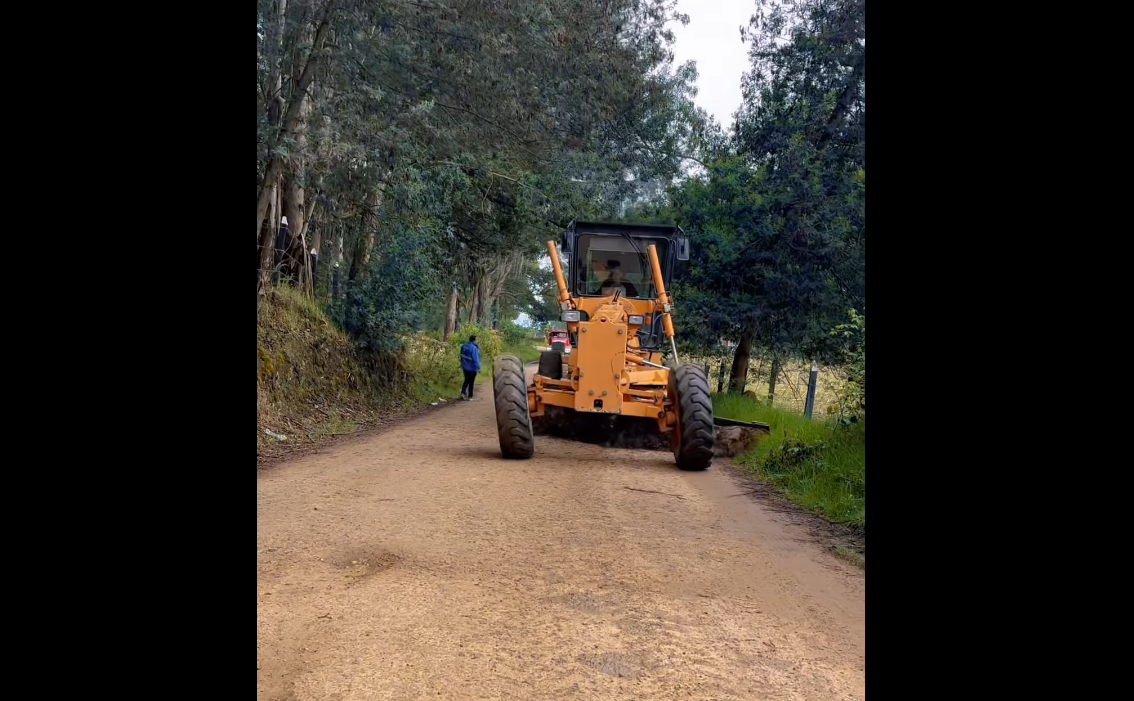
x,y
639,360
663,299
564,295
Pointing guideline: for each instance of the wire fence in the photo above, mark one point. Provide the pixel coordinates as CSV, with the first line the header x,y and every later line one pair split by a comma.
x,y
791,387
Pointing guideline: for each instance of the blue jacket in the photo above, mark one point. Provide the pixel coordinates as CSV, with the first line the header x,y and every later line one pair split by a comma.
x,y
470,358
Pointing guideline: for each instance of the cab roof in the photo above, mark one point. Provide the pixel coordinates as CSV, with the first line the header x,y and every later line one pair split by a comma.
x,y
618,228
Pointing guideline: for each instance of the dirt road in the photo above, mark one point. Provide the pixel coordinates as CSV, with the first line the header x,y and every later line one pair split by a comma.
x,y
417,564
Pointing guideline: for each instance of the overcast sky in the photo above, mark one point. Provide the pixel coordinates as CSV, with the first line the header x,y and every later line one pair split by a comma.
x,y
712,39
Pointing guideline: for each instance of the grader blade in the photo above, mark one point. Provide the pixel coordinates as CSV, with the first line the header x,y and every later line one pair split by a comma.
x,y
758,425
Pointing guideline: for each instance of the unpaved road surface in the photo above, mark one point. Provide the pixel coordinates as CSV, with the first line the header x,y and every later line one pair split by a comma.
x,y
417,564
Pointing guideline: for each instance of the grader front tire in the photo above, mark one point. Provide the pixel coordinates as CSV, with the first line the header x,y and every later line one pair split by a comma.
x,y
513,421
694,434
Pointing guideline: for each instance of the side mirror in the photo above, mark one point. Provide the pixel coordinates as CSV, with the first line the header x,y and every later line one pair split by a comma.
x,y
682,247
565,243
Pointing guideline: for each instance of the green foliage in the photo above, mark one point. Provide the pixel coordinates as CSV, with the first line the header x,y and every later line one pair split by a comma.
x,y
747,272
513,335
818,465
777,218
435,364
543,307
488,341
806,85
827,477
852,400
397,294
447,142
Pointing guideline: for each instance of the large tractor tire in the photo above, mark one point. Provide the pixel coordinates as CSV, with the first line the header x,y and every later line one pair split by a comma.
x,y
510,396
694,435
551,365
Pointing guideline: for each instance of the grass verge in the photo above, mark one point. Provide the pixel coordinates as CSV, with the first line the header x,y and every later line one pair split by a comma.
x,y
819,465
311,383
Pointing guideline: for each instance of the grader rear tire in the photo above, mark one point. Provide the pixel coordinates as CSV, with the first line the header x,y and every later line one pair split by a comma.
x,y
694,435
513,421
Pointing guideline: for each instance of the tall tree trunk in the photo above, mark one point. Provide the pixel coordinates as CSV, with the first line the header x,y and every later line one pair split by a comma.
x,y
297,207
503,269
267,247
269,196
474,301
281,226
451,314
274,212
295,202
292,117
336,293
772,379
294,210
267,190
316,231
305,269
740,363
484,302
316,251
365,245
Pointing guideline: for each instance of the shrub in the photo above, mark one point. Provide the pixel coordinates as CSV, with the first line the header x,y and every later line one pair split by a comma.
x,y
852,398
437,362
513,334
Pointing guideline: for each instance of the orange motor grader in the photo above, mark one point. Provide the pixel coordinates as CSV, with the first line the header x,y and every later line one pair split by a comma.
x,y
624,366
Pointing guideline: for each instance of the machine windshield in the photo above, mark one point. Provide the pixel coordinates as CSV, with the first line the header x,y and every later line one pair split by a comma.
x,y
609,262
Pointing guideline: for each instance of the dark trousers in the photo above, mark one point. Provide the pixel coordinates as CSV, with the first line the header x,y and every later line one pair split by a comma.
x,y
470,378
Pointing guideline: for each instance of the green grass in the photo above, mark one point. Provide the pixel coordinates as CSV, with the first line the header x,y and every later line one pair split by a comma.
x,y
851,555
818,465
527,353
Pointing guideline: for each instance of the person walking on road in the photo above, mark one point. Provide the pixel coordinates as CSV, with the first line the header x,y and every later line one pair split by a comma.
x,y
470,364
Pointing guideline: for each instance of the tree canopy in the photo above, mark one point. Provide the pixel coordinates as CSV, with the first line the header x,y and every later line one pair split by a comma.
x,y
421,152
440,143
777,218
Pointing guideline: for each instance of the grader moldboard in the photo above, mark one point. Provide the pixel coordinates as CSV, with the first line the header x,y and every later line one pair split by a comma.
x,y
614,302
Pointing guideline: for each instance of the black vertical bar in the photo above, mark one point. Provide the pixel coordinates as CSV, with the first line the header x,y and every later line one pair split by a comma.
x,y
809,404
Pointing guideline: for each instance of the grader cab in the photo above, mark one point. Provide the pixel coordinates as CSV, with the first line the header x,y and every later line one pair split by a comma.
x,y
623,373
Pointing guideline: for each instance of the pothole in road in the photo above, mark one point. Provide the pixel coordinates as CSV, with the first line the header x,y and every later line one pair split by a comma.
x,y
583,602
360,564
612,663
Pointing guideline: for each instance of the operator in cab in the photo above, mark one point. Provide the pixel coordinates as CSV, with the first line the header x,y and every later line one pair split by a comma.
x,y
615,279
